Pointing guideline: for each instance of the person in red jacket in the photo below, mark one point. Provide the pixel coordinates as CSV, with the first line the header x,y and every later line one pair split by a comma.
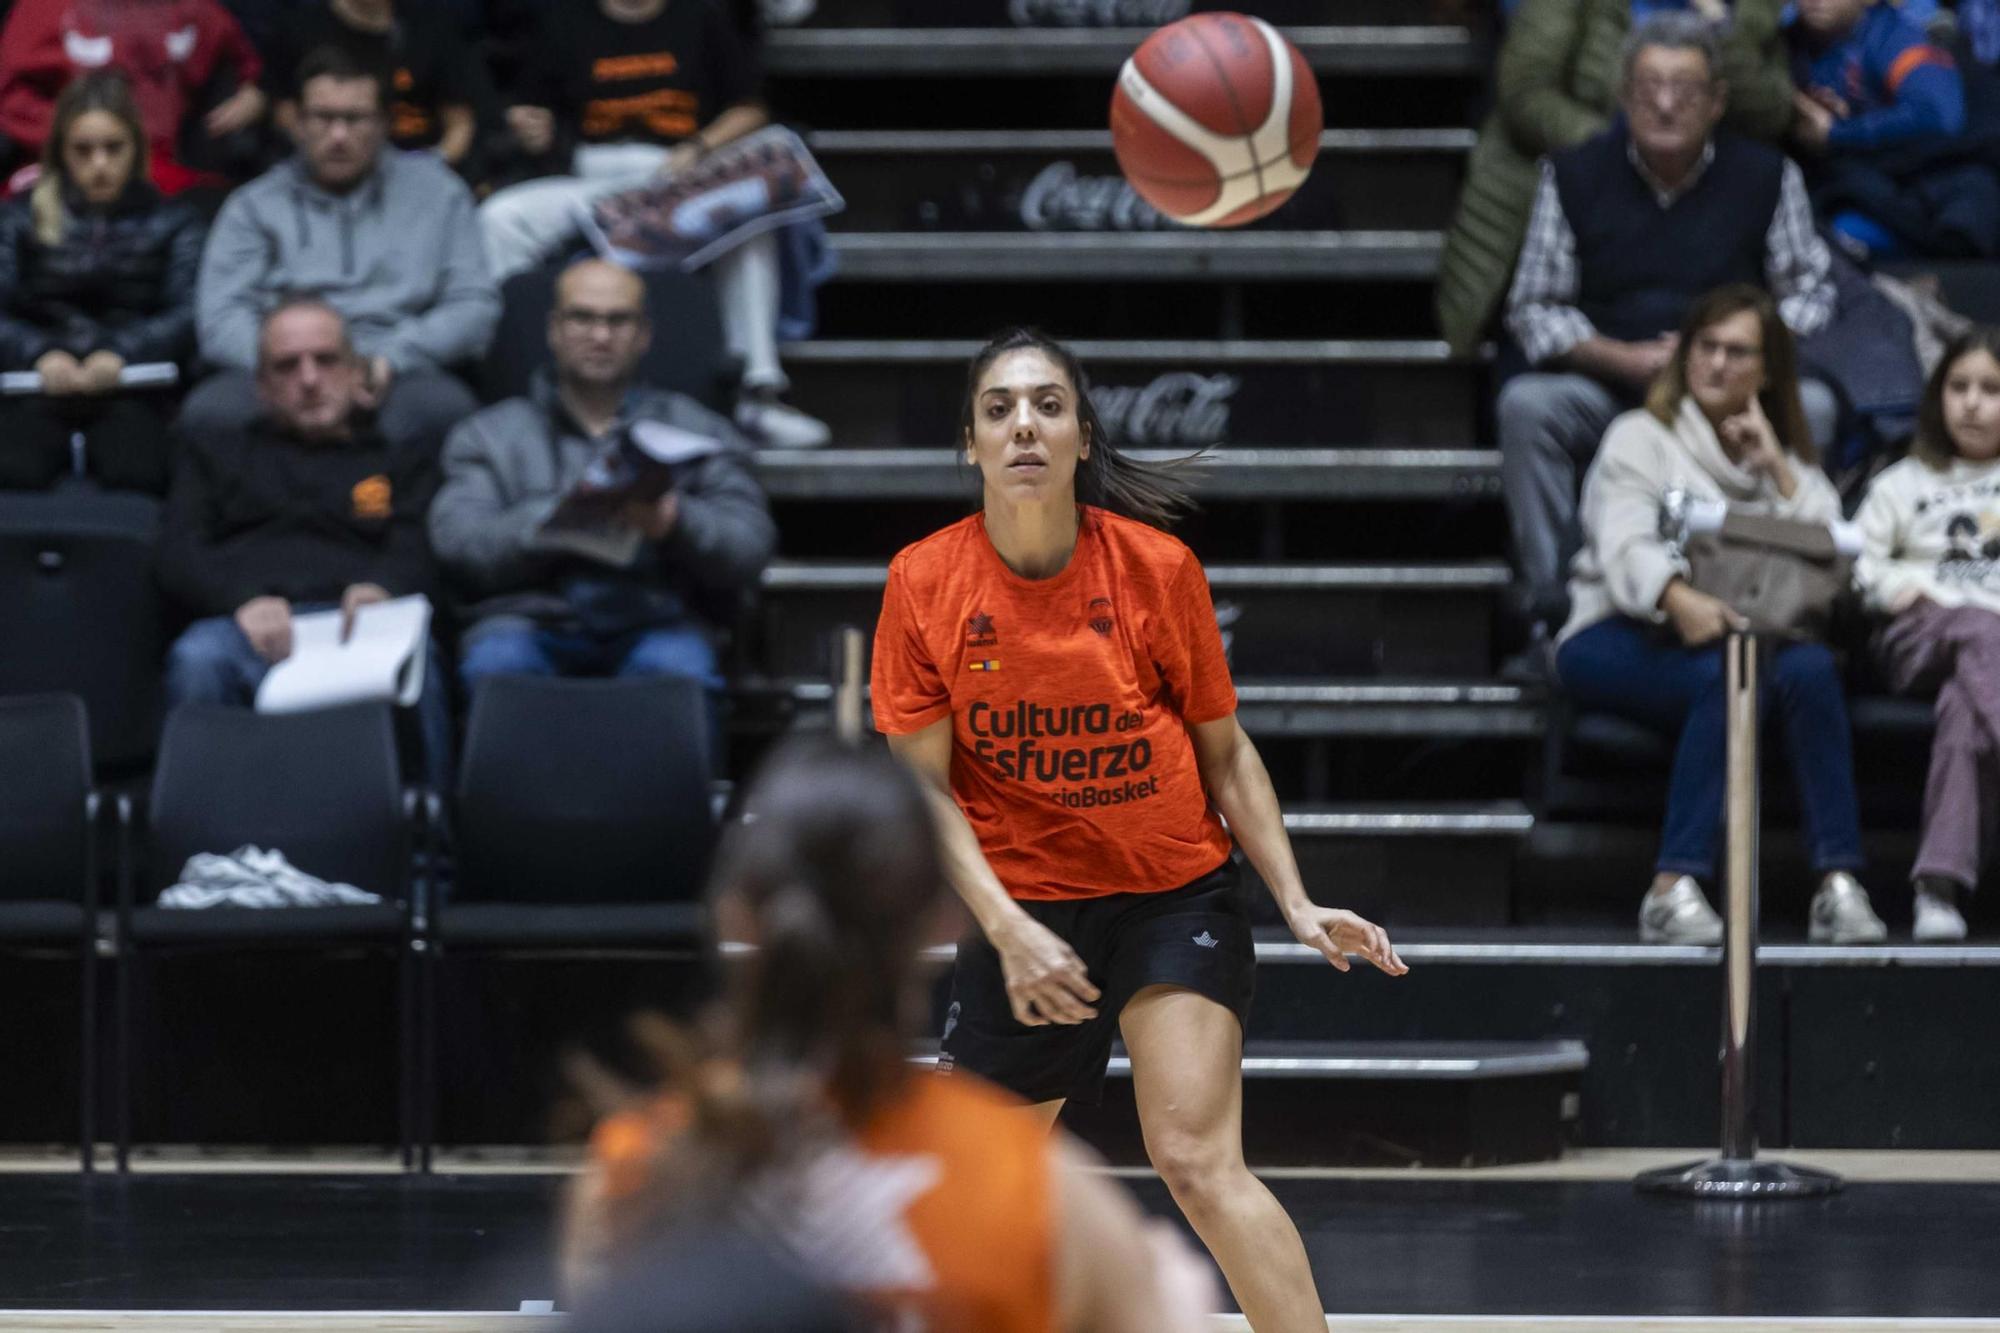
x,y
168,49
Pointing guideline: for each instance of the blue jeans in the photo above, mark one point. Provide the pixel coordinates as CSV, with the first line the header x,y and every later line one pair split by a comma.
x,y
212,662
1624,667
522,648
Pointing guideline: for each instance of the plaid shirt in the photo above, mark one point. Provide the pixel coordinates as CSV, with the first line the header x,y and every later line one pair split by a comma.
x,y
1541,307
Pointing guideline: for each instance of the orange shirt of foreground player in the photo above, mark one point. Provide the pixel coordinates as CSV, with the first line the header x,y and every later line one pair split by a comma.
x,y
1070,699
941,1211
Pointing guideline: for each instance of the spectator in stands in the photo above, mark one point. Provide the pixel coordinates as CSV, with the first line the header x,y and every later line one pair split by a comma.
x,y
301,509
1931,568
537,606
175,52
1883,107
1560,81
1722,423
418,50
1628,228
623,91
389,239
97,273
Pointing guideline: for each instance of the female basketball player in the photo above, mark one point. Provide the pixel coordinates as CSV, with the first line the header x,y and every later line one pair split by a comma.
x,y
932,1202
1052,667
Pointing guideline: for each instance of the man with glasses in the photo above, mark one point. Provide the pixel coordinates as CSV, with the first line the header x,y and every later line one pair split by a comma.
x,y
1628,228
388,239
538,605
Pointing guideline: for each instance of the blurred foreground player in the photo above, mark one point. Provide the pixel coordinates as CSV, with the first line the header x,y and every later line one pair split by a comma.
x,y
929,1203
1051,666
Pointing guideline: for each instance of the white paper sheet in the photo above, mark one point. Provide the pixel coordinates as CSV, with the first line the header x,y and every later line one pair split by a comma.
x,y
382,659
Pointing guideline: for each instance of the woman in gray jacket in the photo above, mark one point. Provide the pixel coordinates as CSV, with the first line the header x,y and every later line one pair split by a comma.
x,y
1722,423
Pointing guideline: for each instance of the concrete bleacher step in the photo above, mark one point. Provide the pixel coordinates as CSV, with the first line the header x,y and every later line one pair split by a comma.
x,y
1102,13
1292,620
1857,1048
1403,1103
866,53
1406,864
938,473
1167,394
1170,256
1462,710
1068,180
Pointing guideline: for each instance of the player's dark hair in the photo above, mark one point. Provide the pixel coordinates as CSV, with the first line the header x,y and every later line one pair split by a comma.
x,y
1108,478
834,869
1933,443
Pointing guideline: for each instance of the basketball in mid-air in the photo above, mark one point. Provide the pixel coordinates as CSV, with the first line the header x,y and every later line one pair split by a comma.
x,y
1216,119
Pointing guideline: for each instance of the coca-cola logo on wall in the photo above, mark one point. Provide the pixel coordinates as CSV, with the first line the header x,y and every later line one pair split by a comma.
x,y
1182,409
1060,198
1096,13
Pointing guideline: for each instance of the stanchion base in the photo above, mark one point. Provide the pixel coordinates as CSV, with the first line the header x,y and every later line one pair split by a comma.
x,y
1739,1178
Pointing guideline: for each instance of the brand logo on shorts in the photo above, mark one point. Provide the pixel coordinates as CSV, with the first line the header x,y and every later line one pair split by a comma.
x,y
950,1021
1206,940
979,631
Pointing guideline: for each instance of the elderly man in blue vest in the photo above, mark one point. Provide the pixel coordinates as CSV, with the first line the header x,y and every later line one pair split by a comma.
x,y
1628,229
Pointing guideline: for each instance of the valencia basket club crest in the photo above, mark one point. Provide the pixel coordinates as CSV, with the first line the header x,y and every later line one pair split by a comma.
x,y
1100,615
979,631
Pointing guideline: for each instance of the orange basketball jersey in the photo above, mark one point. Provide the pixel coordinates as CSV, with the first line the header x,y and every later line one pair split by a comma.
x,y
939,1213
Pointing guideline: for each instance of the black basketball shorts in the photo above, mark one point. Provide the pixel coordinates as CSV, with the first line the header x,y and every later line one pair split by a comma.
x,y
1196,937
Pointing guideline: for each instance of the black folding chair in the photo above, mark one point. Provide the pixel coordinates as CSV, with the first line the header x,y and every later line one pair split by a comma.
x,y
322,788
49,827
83,613
582,822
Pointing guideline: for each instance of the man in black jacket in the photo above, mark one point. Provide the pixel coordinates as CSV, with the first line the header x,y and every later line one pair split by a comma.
x,y
304,508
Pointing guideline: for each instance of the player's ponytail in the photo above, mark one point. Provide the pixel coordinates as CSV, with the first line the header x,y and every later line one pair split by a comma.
x,y
1108,478
832,875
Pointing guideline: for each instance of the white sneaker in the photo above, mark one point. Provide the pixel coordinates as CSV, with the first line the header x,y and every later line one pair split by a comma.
x,y
1681,915
772,423
1938,919
1841,914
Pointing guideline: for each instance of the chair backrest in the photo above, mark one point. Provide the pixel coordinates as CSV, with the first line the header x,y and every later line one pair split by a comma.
x,y
321,787
689,353
584,791
82,613
44,779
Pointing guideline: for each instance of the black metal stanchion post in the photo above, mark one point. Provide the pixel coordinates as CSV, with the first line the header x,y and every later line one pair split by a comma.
x,y
1737,1174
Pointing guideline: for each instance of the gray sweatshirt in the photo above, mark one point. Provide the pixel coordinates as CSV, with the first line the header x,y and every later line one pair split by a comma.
x,y
401,256
508,465
1625,563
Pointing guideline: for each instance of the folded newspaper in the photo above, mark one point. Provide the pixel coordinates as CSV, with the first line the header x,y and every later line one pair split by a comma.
x,y
639,466
253,877
383,658
743,189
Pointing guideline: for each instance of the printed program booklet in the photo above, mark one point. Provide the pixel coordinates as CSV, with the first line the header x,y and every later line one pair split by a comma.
x,y
640,466
382,659
742,189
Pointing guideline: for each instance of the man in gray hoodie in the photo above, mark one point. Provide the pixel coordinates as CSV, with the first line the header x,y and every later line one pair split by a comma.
x,y
390,240
644,596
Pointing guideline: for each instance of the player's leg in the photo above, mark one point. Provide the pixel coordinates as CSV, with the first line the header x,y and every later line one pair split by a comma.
x,y
1187,1060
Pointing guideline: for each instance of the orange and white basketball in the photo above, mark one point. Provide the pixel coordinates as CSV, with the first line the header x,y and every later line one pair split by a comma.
x,y
1216,119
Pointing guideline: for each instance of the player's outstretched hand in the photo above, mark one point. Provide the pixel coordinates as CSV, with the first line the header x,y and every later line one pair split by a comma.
x,y
1337,933
1046,981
